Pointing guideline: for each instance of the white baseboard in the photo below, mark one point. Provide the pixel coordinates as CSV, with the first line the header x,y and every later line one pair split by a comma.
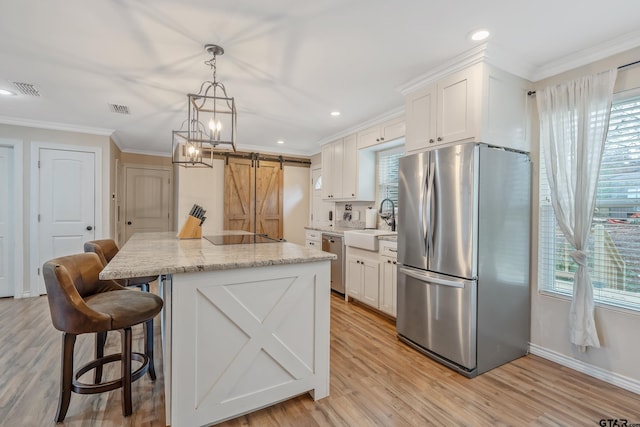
x,y
591,370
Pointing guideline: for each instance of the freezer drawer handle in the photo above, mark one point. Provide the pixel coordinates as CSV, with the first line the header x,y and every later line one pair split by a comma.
x,y
430,279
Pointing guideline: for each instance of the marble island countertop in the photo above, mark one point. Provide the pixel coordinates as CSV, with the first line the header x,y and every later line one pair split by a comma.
x,y
392,236
150,254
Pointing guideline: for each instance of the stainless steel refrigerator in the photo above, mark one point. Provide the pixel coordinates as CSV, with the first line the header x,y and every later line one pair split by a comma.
x,y
463,250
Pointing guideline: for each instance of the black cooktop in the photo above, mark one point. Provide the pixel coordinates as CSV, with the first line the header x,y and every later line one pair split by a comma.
x,y
239,239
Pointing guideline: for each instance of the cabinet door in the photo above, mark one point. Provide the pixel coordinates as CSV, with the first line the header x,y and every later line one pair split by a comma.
x,y
392,130
456,120
371,282
349,167
313,244
354,278
421,119
369,137
336,169
327,167
388,286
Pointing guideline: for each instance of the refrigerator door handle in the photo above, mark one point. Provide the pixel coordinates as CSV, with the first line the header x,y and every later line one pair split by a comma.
x,y
424,224
431,279
428,234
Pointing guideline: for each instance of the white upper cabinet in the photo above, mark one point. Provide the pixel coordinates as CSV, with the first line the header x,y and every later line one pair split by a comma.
x,y
477,104
387,131
347,174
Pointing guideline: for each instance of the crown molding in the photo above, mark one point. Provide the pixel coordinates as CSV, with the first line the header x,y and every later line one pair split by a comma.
x,y
389,115
486,52
587,56
146,152
55,126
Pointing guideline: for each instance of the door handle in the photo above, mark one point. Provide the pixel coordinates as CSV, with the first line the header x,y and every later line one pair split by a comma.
x,y
89,227
128,222
434,280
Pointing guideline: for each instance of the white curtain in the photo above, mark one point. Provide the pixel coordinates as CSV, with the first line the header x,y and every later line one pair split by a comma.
x,y
574,119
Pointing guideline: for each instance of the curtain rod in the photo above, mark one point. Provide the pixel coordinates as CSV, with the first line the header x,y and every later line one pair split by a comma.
x,y
533,92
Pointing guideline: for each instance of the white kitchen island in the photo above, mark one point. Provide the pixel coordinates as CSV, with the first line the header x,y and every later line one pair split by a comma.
x,y
244,325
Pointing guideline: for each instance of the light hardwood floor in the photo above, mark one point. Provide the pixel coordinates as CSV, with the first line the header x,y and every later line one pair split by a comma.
x,y
375,381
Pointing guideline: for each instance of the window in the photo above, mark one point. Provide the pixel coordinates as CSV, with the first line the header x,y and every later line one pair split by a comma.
x,y
387,174
614,246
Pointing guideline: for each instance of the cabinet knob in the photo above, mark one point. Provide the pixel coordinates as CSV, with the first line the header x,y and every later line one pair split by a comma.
x,y
439,138
431,141
353,195
389,261
382,139
395,262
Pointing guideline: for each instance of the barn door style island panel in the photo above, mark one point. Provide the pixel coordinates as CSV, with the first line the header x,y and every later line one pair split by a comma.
x,y
244,325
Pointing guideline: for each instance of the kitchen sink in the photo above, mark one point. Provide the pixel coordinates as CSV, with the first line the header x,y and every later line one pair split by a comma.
x,y
365,239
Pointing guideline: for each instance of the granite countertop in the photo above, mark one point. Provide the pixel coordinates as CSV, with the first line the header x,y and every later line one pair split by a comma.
x,y
150,254
341,230
329,229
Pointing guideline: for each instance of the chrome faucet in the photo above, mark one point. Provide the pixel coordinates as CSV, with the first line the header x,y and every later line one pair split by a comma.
x,y
385,217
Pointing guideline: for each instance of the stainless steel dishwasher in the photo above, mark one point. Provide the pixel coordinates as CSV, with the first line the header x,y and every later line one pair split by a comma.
x,y
334,243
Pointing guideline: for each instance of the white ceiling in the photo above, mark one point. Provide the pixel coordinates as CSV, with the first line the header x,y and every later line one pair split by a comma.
x,y
288,63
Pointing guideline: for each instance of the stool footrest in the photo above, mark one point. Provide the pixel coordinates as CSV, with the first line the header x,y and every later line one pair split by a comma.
x,y
84,388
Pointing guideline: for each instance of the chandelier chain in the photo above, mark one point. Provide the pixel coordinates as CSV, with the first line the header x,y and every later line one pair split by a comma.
x,y
212,64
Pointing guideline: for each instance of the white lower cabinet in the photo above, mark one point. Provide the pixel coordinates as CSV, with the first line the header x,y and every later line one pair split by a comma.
x,y
313,239
363,271
372,276
388,281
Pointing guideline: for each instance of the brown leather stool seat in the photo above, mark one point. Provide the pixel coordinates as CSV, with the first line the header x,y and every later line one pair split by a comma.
x,y
106,249
81,303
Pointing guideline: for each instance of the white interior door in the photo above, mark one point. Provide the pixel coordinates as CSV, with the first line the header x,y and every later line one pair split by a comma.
x,y
67,197
6,228
147,200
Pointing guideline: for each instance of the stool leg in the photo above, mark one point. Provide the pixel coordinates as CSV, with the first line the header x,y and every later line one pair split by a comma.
x,y
126,372
66,375
148,343
101,339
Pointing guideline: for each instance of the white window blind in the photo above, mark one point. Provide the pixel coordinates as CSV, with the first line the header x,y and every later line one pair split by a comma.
x,y
614,245
387,174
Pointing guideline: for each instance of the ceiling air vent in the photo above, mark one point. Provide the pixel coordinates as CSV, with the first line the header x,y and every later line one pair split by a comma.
x,y
120,109
26,89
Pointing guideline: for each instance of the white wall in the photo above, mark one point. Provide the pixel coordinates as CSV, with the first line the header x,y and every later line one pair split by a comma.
x,y
617,359
205,186
28,136
296,194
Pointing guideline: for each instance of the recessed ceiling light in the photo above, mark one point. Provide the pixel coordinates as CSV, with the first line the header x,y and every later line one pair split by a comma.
x,y
280,142
335,113
6,92
480,35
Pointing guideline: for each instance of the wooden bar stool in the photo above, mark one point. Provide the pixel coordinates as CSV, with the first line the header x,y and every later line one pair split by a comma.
x,y
106,249
81,303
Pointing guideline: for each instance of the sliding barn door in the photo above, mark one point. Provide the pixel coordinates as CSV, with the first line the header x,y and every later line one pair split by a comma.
x,y
253,197
269,199
239,202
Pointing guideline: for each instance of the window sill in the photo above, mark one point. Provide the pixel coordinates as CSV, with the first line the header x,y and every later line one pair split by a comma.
x,y
601,305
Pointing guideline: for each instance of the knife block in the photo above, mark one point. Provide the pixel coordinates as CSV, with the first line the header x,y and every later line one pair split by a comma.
x,y
191,229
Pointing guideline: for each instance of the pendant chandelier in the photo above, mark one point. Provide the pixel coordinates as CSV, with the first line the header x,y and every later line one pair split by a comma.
x,y
211,122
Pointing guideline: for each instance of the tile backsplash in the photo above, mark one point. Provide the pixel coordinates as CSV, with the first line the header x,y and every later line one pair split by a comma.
x,y
351,215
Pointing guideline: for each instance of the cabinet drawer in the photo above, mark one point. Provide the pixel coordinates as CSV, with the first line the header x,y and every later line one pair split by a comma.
x,y
389,249
313,235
